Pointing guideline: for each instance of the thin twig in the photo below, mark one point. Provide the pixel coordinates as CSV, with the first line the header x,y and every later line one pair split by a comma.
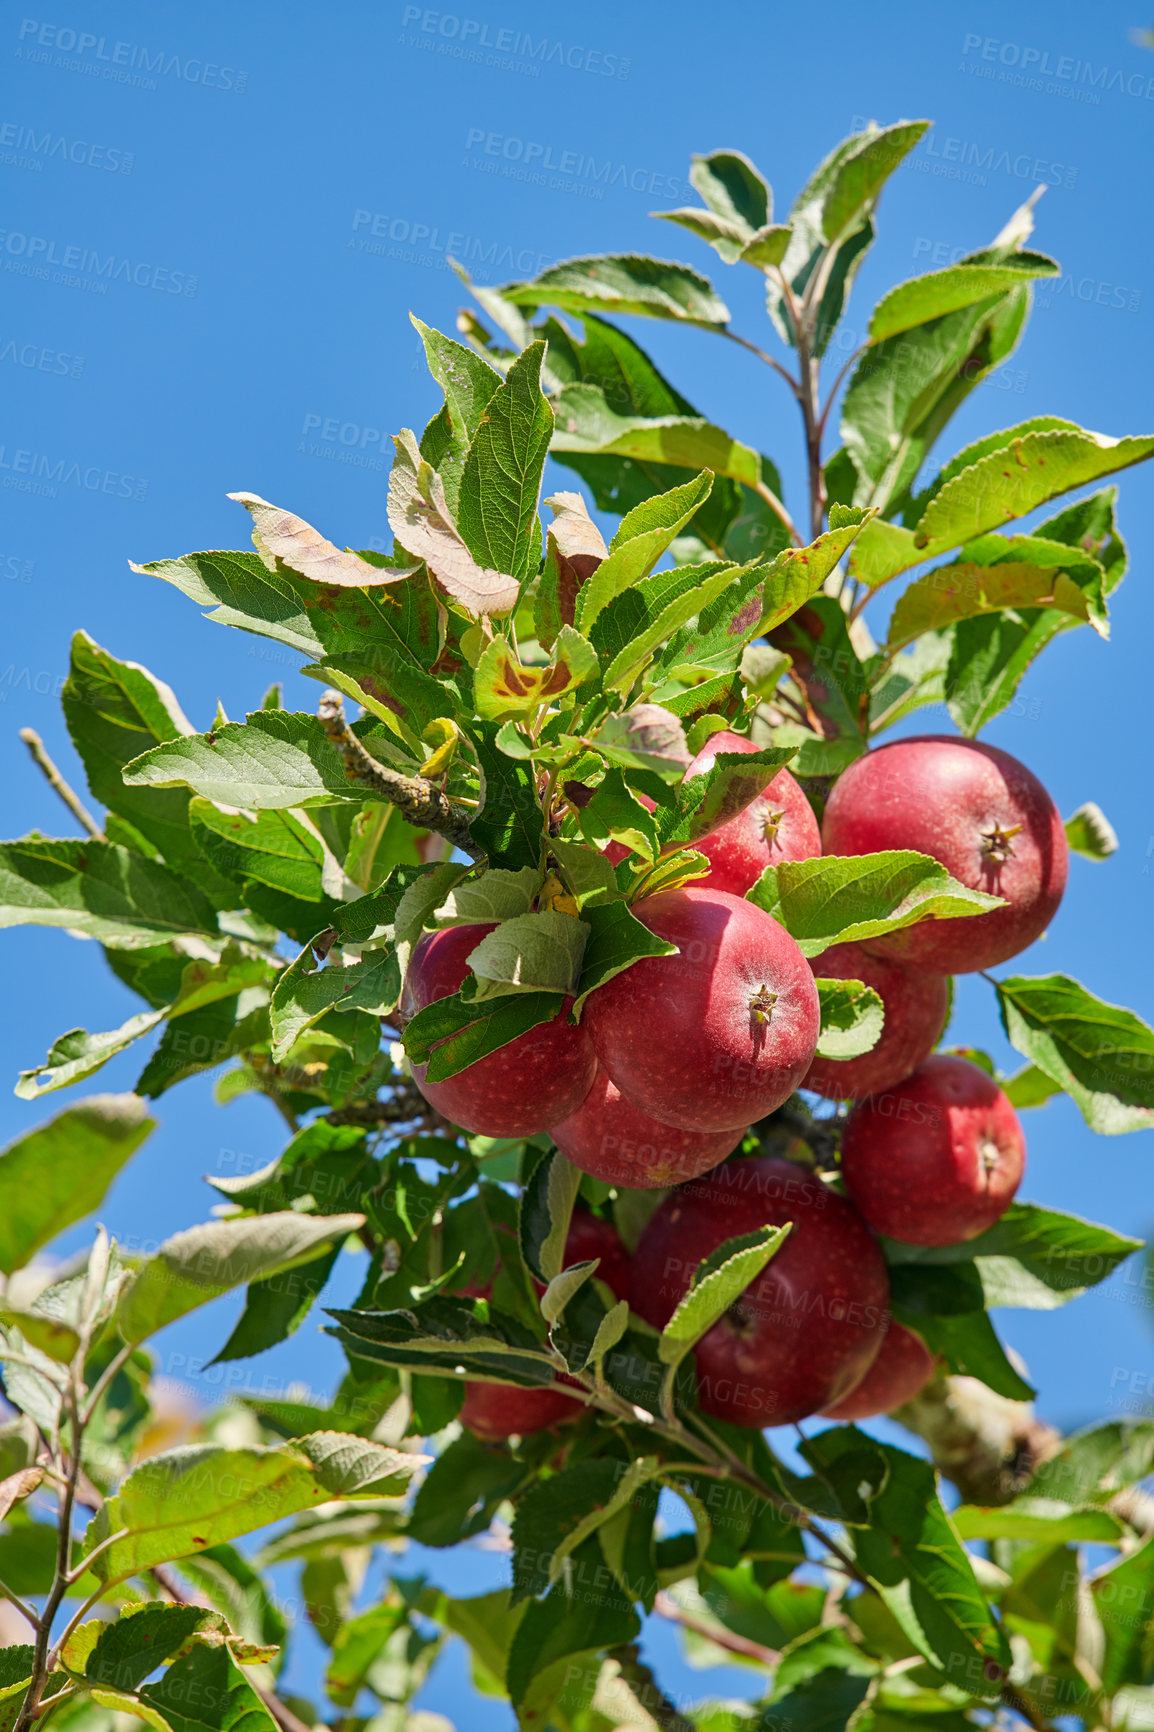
x,y
60,1581
57,783
666,1606
423,804
767,358
639,1677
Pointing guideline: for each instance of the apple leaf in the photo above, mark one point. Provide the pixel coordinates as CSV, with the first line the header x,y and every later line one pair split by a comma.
x,y
277,758
928,297
945,1304
852,1016
546,1209
58,1172
442,1337
204,1675
1123,1597
305,993
586,424
1065,582
1037,1518
452,1034
280,536
1101,1054
78,1054
617,939
531,953
504,687
644,617
563,1286
645,737
200,1264
574,548
1090,833
616,814
98,889
711,798
555,1516
845,899
796,573
719,1280
494,895
624,283
501,480
643,535
420,518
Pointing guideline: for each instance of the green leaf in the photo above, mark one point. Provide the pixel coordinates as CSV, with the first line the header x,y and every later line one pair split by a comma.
x,y
1093,1464
281,538
924,298
915,1559
420,518
57,1173
275,1308
717,1282
50,1336
206,1688
272,848
587,424
711,798
277,758
857,181
305,993
201,1263
1029,1087
732,188
451,1034
1124,1601
637,622
563,1287
492,895
1090,833
624,283
467,381
727,237
383,679
511,824
945,1305
1015,479
852,1016
1101,1054
443,1337
532,953
97,889
501,481
78,1054
462,1490
564,1624
643,535
1037,1518
846,899
574,548
179,1502
356,1646
799,572
644,737
617,939
127,1651
615,814
545,1212
558,1514
967,588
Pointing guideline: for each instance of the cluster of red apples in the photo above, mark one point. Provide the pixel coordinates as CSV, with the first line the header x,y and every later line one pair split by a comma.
x,y
676,1057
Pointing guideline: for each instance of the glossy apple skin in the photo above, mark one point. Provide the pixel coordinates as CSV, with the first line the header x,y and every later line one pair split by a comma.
x,y
778,825
903,1366
691,1039
943,796
614,1140
938,1158
522,1088
915,1005
495,1411
807,1330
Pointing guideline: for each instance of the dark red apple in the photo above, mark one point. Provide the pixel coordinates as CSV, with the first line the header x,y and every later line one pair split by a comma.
x,y
614,1140
807,1330
936,1159
915,1006
522,1088
777,825
983,815
717,1035
903,1366
494,1411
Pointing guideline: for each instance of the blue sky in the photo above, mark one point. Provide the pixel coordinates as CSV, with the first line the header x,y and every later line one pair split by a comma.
x,y
279,185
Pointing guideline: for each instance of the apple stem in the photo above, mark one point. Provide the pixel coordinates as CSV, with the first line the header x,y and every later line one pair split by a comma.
x,y
761,1004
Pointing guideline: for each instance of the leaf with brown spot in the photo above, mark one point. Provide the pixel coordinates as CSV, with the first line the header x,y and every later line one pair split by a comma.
x,y
574,548
504,688
280,535
420,519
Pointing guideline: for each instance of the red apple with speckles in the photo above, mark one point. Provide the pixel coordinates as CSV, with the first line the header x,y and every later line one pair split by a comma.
x,y
717,1035
522,1088
915,1006
494,1411
936,1159
807,1330
983,815
614,1140
903,1366
778,824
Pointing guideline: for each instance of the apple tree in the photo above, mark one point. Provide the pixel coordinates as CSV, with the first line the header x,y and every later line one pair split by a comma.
x,y
599,970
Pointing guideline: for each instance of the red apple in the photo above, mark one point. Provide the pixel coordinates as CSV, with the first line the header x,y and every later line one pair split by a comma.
x,y
807,1330
983,815
522,1088
614,1140
915,1008
936,1159
903,1366
494,1411
719,1034
777,825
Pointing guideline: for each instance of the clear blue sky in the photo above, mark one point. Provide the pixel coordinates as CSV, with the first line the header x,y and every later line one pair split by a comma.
x,y
235,162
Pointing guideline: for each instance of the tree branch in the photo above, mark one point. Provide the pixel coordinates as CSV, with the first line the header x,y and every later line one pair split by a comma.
x,y
989,1446
667,1607
425,806
57,783
403,1105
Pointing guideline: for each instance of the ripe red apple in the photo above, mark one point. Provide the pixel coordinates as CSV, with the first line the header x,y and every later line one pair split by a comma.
x,y
494,1411
522,1088
903,1366
777,825
614,1140
936,1159
915,1008
807,1330
719,1034
983,815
